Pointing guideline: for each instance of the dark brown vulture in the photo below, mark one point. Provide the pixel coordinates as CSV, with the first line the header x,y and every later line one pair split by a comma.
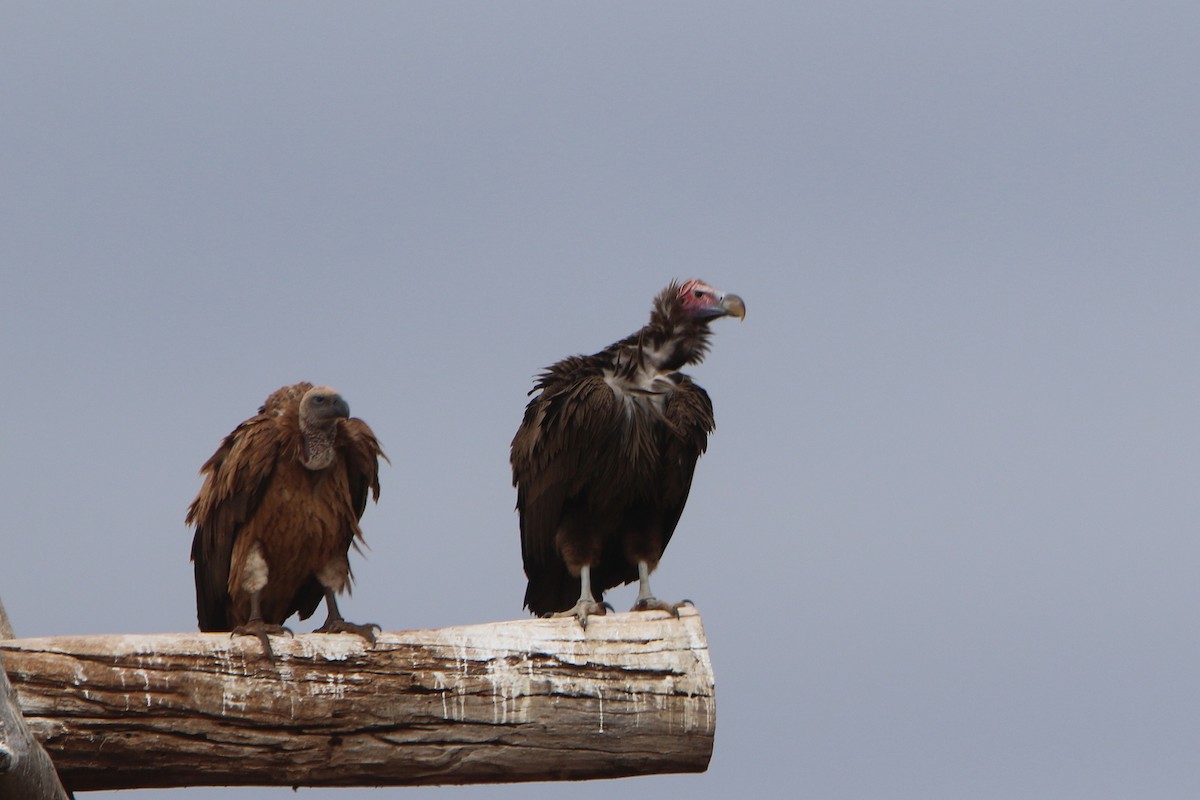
x,y
603,460
278,511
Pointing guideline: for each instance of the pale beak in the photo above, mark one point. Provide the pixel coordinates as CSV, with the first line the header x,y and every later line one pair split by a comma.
x,y
733,306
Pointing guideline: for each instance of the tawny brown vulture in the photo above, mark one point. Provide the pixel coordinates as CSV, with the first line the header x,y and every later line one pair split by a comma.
x,y
278,512
603,460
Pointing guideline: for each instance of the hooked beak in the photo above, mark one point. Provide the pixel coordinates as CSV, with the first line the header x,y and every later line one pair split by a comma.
x,y
733,306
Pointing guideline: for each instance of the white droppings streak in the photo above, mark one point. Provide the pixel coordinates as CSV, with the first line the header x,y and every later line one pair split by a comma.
x,y
511,690
335,686
439,683
234,698
331,648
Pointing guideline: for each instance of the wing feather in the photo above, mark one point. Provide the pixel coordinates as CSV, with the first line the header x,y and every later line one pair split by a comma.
x,y
689,413
554,454
362,451
235,480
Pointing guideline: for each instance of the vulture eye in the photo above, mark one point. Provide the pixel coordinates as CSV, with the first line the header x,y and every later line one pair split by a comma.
x,y
699,293
319,398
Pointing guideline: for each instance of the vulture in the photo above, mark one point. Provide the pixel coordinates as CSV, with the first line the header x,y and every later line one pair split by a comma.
x,y
278,512
603,460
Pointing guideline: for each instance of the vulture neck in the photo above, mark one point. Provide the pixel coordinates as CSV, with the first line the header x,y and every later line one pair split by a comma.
x,y
318,445
672,340
643,363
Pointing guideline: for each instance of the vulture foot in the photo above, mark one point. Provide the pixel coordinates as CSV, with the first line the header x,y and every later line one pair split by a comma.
x,y
583,609
367,632
654,604
261,630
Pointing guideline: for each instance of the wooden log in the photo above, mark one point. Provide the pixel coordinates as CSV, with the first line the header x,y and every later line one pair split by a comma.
x,y
6,631
513,701
26,772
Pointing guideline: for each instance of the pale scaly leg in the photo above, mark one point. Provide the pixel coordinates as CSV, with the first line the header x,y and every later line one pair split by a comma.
x,y
587,605
334,623
646,601
257,628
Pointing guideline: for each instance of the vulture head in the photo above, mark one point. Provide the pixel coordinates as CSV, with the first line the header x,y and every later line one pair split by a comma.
x,y
320,409
700,301
678,331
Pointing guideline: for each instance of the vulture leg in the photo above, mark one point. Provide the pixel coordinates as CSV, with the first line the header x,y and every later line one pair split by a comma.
x,y
334,623
257,628
587,604
646,601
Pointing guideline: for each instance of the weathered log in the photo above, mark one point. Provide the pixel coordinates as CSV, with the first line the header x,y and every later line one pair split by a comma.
x,y
512,701
26,772
6,631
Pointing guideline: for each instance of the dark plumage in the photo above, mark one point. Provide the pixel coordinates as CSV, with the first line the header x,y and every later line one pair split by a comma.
x,y
603,460
278,512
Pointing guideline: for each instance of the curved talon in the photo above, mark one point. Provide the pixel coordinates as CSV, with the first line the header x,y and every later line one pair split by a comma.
x,y
260,628
367,631
261,631
654,604
583,609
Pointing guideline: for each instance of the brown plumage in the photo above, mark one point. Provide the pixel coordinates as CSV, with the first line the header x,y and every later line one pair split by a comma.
x,y
603,460
278,512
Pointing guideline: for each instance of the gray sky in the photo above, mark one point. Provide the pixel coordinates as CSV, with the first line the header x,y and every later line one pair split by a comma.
x,y
944,539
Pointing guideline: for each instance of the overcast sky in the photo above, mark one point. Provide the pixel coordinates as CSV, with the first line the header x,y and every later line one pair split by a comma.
x,y
944,539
